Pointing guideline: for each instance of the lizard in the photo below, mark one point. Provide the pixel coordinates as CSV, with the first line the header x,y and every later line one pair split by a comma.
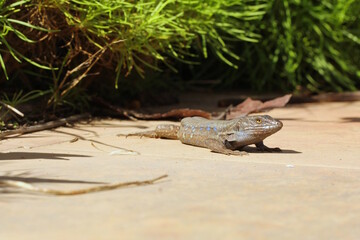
x,y
221,136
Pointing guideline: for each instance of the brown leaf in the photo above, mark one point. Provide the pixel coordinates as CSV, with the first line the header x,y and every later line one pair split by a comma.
x,y
276,102
253,106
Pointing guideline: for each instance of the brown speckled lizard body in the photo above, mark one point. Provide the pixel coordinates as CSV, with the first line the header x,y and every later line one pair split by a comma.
x,y
222,136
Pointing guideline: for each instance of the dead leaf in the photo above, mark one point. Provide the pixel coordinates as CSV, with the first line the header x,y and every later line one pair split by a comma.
x,y
276,102
254,106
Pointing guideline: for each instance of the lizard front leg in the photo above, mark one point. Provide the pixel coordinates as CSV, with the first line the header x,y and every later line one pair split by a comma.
x,y
218,146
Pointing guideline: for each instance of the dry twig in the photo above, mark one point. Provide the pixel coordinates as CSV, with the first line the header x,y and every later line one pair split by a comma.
x,y
29,187
45,126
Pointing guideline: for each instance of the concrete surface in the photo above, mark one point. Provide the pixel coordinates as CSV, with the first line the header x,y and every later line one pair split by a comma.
x,y
310,191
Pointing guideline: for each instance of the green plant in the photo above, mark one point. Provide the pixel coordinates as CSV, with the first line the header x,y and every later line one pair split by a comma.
x,y
270,45
87,36
307,43
145,33
8,25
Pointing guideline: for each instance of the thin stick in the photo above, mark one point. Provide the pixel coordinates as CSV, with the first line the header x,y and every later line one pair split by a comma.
x,y
32,188
45,126
11,108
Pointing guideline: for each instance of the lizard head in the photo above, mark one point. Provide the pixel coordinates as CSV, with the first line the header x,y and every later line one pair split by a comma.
x,y
252,129
262,125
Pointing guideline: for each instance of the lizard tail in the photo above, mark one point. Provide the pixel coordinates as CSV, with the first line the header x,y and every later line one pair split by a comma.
x,y
167,131
149,134
162,131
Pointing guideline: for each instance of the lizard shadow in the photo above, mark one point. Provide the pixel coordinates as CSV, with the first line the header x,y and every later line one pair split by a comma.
x,y
251,149
351,119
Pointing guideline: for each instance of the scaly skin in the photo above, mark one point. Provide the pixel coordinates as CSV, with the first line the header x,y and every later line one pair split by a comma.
x,y
222,136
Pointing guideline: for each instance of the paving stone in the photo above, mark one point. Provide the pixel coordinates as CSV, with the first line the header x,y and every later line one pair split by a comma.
x,y
309,191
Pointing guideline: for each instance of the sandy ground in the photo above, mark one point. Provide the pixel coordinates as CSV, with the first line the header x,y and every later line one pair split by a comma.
x,y
309,191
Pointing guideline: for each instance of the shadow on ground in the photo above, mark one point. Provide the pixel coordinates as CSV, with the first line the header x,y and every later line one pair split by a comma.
x,y
37,155
250,149
44,180
351,119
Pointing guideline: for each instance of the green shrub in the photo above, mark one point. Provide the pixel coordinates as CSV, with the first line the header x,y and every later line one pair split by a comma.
x,y
9,26
270,45
86,36
307,44
143,33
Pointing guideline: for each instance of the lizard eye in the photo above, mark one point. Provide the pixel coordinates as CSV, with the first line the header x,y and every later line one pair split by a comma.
x,y
258,120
